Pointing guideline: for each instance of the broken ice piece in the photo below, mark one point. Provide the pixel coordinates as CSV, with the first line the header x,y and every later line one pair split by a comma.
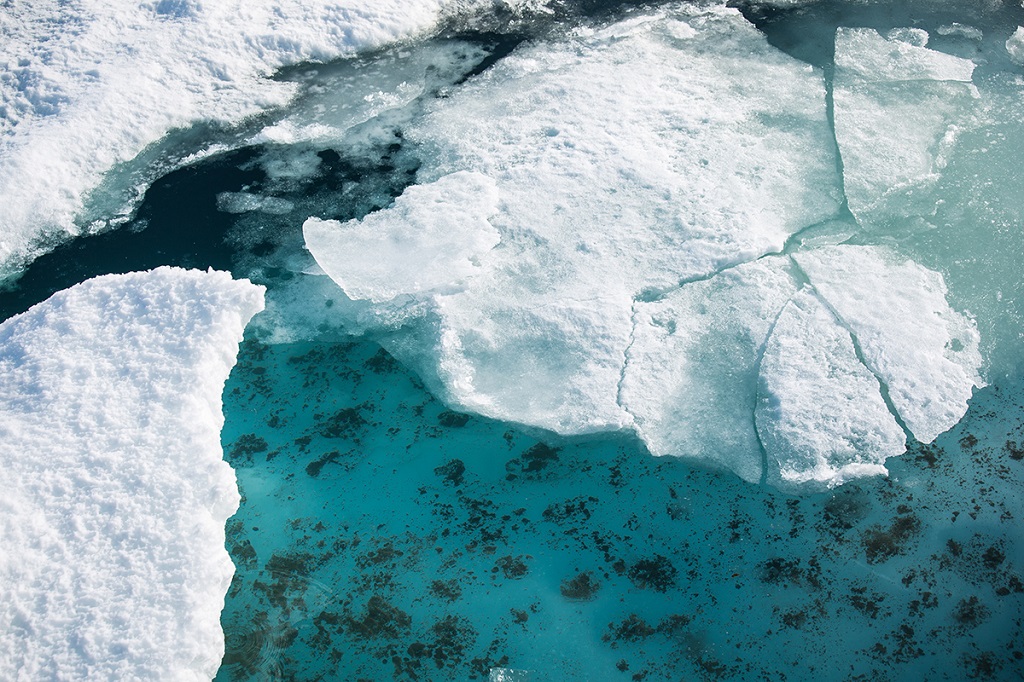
x,y
925,352
820,414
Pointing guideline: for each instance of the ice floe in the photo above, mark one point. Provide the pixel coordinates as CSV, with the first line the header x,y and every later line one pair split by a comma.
x,y
115,489
634,285
897,110
910,337
607,192
431,238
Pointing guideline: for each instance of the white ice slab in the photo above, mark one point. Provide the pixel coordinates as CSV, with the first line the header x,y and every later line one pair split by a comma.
x,y
691,372
431,238
897,108
115,489
910,337
1015,46
820,413
607,191
663,148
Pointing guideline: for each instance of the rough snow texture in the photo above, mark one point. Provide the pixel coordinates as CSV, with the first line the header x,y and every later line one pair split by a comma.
x,y
820,415
431,238
924,351
115,489
86,86
897,108
1015,46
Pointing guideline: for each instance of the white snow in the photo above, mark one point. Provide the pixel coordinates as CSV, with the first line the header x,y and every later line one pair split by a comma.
x,y
115,489
820,415
924,351
87,86
432,237
897,111
1015,46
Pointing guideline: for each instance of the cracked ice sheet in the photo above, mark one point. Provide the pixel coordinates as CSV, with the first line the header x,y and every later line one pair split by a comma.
x,y
115,488
820,414
691,373
925,352
897,111
607,192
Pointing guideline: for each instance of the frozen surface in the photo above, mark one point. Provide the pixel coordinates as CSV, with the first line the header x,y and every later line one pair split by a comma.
x,y
433,237
115,490
820,415
730,156
611,194
925,352
555,364
86,87
898,108
691,372
1015,46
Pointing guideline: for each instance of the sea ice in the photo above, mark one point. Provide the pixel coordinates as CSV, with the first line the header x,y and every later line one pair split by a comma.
x,y
691,372
897,111
664,147
1015,46
115,488
925,352
86,88
432,237
820,415
608,193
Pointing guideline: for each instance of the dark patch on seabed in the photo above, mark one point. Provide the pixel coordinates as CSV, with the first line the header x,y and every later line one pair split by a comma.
x,y
405,541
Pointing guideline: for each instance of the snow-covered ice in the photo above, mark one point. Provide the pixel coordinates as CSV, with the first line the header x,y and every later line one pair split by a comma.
x,y
115,489
924,351
820,415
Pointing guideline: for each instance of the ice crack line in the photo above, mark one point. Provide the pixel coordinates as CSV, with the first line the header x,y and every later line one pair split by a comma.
x,y
883,386
625,360
757,372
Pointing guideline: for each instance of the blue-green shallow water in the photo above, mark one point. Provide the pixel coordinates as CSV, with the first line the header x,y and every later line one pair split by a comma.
x,y
384,537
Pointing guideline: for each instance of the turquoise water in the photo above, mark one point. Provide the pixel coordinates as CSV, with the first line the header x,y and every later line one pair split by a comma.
x,y
382,536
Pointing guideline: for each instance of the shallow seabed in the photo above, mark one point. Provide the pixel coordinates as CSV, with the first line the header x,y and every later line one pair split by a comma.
x,y
382,536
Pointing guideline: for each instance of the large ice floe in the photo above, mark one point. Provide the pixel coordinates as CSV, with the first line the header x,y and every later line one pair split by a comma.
x,y
87,87
649,178
115,488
